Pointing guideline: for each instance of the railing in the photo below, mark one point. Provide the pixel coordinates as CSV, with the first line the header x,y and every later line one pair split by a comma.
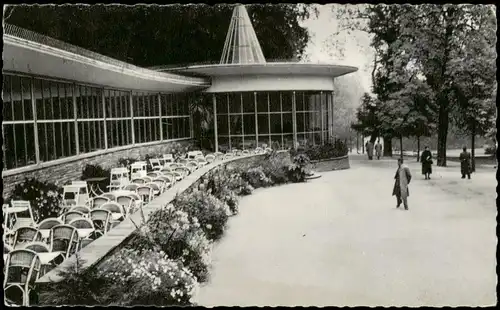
x,y
13,30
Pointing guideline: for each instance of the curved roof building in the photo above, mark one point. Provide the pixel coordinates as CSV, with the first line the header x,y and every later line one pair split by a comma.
x,y
64,105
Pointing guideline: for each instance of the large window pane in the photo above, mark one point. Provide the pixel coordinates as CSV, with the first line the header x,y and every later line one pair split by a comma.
x,y
276,123
248,102
236,125
221,103
222,125
274,101
287,123
286,101
262,102
249,124
299,101
235,102
263,123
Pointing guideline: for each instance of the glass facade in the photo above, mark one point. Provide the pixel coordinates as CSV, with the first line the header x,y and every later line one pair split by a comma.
x,y
247,119
45,120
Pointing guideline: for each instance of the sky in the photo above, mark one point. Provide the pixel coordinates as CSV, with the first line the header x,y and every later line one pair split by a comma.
x,y
357,51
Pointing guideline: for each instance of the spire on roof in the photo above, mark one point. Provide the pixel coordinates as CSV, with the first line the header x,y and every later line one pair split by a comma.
x,y
242,45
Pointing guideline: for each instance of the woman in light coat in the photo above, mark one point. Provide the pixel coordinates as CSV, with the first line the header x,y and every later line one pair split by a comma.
x,y
402,180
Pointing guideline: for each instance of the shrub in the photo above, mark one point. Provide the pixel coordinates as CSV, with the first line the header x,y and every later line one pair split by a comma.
x,y
96,171
297,170
318,152
256,177
275,167
490,150
79,287
212,214
126,161
148,277
45,198
179,236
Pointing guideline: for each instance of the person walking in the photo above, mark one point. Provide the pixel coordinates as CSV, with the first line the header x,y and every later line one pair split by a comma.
x,y
378,149
426,160
402,180
465,164
369,150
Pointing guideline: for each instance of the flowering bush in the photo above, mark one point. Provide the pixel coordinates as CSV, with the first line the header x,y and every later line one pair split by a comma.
x,y
326,151
256,177
148,277
212,214
45,198
275,167
179,236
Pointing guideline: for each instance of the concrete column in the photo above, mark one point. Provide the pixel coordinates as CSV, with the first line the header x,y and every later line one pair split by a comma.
x,y
104,116
35,123
159,113
214,100
321,100
132,116
294,120
77,141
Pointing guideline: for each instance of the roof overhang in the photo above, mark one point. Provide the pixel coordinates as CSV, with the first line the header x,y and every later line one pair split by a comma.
x,y
269,76
24,56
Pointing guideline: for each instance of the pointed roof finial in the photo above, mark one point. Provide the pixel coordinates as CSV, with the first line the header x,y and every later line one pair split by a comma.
x,y
242,45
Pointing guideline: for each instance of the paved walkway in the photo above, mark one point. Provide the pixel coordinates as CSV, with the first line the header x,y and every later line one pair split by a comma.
x,y
339,240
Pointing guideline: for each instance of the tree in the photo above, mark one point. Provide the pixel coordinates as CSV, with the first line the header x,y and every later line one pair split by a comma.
x,y
152,35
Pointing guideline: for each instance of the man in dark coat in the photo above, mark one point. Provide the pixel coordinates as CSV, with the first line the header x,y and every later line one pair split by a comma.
x,y
402,180
465,164
426,160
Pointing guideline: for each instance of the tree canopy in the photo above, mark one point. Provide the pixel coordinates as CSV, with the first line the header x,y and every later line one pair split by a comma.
x,y
152,35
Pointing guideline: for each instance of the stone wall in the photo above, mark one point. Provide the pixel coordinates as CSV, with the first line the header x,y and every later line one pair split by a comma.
x,y
61,174
331,164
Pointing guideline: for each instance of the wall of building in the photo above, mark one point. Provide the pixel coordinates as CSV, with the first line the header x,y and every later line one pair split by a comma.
x,y
60,174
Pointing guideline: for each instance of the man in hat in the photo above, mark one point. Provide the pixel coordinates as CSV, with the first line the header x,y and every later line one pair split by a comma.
x,y
402,180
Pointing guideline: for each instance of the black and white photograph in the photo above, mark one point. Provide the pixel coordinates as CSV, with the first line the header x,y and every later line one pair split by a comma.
x,y
249,154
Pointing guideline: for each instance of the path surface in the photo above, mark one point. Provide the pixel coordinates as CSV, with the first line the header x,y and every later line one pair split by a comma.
x,y
339,240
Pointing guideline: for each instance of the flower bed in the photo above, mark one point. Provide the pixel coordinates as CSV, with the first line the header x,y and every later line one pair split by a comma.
x,y
326,157
170,253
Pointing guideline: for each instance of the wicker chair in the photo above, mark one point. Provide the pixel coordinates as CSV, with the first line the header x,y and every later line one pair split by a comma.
x,y
154,174
228,156
83,209
146,193
110,196
50,222
101,219
114,207
24,235
162,183
38,247
21,271
245,153
210,158
138,181
98,201
84,223
71,215
219,155
131,187
147,179
64,238
126,202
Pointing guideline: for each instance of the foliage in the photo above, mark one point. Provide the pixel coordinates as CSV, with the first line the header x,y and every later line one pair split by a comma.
x,y
162,30
78,287
212,214
490,150
96,171
297,170
326,151
275,167
256,177
44,198
179,236
126,161
148,277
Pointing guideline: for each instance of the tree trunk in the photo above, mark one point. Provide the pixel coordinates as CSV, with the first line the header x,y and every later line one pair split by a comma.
x,y
401,146
363,143
357,143
442,134
418,149
387,147
473,150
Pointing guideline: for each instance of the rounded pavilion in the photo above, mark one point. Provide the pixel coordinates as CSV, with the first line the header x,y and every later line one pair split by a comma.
x,y
281,104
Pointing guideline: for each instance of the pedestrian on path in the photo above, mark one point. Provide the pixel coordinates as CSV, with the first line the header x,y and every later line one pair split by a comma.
x,y
465,164
403,178
426,160
378,149
369,149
